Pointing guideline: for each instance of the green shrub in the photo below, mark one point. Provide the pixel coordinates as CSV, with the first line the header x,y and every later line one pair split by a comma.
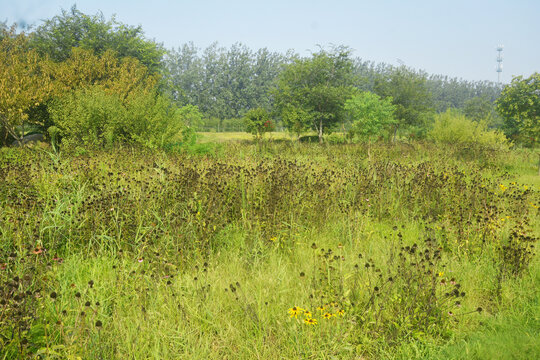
x,y
97,118
372,116
258,122
336,139
451,127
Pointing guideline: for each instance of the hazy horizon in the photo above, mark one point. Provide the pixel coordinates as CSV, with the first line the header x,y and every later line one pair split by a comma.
x,y
457,39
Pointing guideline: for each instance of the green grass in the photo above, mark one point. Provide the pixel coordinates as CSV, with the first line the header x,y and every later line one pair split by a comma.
x,y
220,137
184,256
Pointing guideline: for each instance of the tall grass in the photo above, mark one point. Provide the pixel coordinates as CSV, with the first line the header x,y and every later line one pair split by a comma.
x,y
413,252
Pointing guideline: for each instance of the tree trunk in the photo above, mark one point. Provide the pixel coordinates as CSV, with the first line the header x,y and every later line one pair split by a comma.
x,y
320,131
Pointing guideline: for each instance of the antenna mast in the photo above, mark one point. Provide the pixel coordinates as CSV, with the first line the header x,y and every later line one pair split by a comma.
x,y
499,62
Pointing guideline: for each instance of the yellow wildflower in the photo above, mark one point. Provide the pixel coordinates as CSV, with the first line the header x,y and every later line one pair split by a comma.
x,y
294,311
310,321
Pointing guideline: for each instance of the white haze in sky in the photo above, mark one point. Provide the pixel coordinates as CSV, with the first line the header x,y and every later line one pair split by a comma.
x,y
455,38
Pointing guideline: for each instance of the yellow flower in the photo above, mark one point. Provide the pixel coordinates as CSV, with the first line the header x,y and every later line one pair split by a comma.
x,y
441,274
294,311
321,308
310,321
341,312
327,315
273,239
307,314
502,187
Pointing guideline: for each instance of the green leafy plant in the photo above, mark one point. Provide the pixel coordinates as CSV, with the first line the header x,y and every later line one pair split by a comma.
x,y
371,116
97,118
451,127
258,122
519,105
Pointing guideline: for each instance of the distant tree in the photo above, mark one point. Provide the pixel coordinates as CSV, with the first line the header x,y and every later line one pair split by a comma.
x,y
478,108
371,116
450,92
192,116
25,82
258,122
410,94
315,89
57,36
519,105
223,83
183,74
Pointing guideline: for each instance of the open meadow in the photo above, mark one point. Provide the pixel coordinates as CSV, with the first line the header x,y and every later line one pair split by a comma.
x,y
270,250
163,200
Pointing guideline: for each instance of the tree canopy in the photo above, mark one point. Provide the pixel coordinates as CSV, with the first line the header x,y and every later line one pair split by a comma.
x,y
223,83
410,94
316,89
370,115
74,29
519,105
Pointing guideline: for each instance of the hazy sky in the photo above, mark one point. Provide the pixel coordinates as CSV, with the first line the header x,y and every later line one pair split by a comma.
x,y
452,37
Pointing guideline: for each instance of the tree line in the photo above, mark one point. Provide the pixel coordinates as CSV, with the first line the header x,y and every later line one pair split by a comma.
x,y
78,74
226,82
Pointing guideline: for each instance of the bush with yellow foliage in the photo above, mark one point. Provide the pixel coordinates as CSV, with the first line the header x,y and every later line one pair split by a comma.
x,y
25,82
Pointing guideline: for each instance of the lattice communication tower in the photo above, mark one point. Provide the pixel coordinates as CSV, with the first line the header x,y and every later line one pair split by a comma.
x,y
499,67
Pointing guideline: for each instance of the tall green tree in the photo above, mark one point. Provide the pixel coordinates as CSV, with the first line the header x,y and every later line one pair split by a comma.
x,y
410,95
519,105
183,74
58,35
315,89
223,83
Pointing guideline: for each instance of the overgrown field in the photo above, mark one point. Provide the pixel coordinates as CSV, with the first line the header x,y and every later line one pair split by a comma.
x,y
270,251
